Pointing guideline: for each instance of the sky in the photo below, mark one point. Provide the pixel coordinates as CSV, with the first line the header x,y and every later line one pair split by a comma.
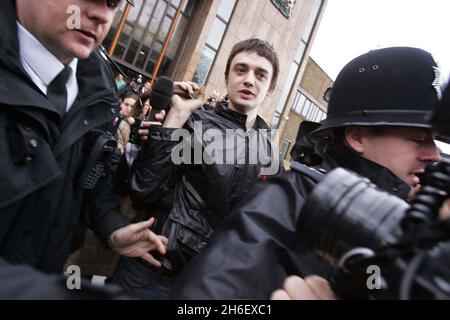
x,y
350,28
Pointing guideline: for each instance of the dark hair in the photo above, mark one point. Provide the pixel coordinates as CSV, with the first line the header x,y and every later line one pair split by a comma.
x,y
131,95
135,97
263,49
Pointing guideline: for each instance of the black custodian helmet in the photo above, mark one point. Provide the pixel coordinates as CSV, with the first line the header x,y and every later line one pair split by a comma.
x,y
396,86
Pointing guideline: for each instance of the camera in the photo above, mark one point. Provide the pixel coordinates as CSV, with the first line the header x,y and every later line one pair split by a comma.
x,y
360,229
134,133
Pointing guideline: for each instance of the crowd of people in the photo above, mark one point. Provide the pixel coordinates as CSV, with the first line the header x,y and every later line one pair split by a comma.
x,y
213,213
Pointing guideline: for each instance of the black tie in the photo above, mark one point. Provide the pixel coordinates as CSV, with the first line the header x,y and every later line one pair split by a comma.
x,y
57,92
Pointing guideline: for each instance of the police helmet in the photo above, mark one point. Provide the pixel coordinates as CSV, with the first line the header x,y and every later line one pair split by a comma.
x,y
397,86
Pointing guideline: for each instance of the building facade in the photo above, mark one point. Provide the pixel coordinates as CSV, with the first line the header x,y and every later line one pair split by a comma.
x,y
203,34
309,103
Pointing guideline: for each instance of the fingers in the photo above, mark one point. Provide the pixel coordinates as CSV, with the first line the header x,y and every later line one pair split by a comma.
x,y
201,93
164,240
181,88
143,134
149,258
320,287
160,116
444,212
298,289
280,295
146,124
150,222
140,226
158,242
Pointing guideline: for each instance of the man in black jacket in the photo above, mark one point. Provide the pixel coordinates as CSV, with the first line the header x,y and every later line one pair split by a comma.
x,y
56,98
191,186
376,126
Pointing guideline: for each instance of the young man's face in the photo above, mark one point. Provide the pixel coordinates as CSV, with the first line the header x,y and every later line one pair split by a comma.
x,y
403,150
248,81
48,20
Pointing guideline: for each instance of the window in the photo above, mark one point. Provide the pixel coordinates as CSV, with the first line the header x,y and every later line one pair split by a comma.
x,y
145,31
214,40
285,148
307,109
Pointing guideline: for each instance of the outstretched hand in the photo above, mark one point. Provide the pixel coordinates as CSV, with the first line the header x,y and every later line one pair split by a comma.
x,y
136,240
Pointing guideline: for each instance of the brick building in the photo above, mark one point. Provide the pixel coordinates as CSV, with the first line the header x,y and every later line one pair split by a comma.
x,y
204,34
308,104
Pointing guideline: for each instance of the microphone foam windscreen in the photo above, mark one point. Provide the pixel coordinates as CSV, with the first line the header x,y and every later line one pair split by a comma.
x,y
161,93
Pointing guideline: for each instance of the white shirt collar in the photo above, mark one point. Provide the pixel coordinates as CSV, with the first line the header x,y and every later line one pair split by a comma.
x,y
42,66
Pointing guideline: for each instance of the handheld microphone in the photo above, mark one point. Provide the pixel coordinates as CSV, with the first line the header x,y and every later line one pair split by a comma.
x,y
160,96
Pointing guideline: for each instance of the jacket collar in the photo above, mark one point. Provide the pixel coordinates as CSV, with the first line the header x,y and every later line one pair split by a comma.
x,y
223,110
338,155
44,66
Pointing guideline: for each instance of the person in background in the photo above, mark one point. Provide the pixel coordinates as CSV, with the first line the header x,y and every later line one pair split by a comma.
x,y
120,83
127,111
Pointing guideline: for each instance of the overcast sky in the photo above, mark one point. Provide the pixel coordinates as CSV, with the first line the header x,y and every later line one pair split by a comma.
x,y
352,27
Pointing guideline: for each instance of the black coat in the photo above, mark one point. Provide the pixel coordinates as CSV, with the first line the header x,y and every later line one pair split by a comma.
x,y
21,282
197,196
257,247
40,202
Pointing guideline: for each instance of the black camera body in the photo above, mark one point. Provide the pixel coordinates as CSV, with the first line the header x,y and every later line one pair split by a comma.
x,y
383,247
134,133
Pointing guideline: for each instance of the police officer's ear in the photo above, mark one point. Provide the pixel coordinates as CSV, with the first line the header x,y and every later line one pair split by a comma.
x,y
354,138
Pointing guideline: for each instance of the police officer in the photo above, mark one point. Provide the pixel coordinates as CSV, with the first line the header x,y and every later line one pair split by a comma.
x,y
376,126
56,97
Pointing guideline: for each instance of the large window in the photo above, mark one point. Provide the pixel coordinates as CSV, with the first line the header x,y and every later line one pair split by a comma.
x,y
307,109
145,31
214,40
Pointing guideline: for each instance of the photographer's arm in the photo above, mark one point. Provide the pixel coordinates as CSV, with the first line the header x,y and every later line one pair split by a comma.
x,y
153,169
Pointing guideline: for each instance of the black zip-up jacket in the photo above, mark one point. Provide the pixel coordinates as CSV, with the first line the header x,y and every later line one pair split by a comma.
x,y
41,157
201,195
257,247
